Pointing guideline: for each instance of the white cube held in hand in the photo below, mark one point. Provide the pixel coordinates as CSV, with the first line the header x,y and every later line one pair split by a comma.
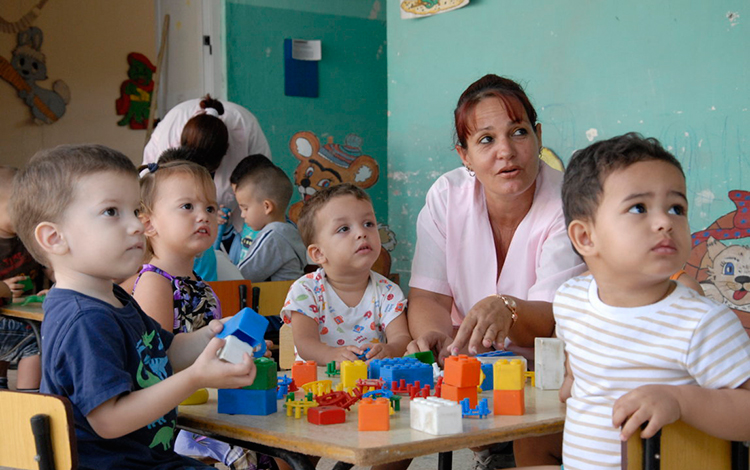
x,y
233,350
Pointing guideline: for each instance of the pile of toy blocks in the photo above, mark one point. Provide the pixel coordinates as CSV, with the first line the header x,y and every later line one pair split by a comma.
x,y
509,380
258,399
461,379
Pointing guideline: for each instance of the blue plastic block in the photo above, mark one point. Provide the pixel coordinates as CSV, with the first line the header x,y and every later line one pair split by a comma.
x,y
238,401
407,369
373,371
487,369
497,354
481,411
249,327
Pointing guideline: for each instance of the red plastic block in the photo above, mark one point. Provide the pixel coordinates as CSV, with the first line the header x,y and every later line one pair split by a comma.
x,y
326,415
462,371
509,402
304,372
373,414
451,392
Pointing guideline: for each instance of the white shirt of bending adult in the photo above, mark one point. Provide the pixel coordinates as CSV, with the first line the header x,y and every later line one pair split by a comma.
x,y
455,253
245,138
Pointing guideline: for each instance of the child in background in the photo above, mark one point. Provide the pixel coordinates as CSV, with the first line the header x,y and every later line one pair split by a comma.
x,y
22,275
238,244
179,214
344,307
75,208
263,193
640,347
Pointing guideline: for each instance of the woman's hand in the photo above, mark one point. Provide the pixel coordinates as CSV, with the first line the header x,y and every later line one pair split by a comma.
x,y
487,324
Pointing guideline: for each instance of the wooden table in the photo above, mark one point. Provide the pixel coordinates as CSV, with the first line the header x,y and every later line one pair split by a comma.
x,y
342,442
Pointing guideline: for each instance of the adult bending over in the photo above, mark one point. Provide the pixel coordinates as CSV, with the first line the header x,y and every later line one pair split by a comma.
x,y
492,247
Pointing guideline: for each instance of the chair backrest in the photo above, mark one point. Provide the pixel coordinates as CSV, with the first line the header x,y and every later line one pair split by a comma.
x,y
232,296
268,300
19,444
680,446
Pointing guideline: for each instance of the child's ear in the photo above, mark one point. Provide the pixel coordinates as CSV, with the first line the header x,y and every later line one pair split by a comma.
x,y
148,228
49,237
316,254
268,206
580,234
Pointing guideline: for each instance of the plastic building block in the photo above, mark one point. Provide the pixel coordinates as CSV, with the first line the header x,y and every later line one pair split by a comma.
x,y
481,411
488,371
331,370
265,377
396,402
378,393
461,371
363,356
299,407
549,363
198,397
509,375
249,327
304,372
234,350
338,398
321,415
365,385
283,386
351,371
530,374
408,369
509,402
374,414
319,387
451,392
247,402
436,416
425,356
495,354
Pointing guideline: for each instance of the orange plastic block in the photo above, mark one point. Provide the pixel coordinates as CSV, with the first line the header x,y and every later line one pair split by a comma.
x,y
451,392
509,402
462,371
373,414
304,372
508,375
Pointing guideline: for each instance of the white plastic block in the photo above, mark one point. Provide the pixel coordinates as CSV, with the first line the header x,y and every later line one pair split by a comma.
x,y
436,416
549,363
233,350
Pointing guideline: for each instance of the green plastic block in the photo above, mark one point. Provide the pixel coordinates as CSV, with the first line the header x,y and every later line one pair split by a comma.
x,y
265,377
426,356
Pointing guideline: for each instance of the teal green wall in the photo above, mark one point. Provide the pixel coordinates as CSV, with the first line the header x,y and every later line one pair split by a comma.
x,y
352,75
678,71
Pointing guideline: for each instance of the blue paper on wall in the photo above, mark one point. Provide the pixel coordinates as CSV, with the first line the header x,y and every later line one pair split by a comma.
x,y
300,76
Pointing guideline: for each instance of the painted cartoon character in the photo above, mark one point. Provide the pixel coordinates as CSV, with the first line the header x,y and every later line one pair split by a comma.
x,y
329,165
29,64
724,270
134,102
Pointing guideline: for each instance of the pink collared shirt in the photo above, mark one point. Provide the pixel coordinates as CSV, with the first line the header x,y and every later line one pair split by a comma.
x,y
455,252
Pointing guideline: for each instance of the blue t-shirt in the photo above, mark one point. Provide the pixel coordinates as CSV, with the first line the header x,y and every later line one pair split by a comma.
x,y
94,352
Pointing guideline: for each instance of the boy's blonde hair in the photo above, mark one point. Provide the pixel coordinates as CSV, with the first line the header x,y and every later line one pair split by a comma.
x,y
45,188
306,222
156,173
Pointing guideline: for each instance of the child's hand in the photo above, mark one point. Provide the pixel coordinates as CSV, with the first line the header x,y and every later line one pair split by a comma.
x,y
345,353
378,351
657,404
15,285
210,371
224,215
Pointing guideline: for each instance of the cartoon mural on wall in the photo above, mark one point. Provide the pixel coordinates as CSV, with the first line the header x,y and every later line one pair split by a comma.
x,y
322,166
26,68
722,269
421,8
134,102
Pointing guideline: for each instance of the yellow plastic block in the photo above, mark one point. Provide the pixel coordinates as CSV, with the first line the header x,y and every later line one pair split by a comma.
x,y
351,372
198,397
508,375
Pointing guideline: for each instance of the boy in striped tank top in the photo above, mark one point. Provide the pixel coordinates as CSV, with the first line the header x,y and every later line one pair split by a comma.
x,y
640,347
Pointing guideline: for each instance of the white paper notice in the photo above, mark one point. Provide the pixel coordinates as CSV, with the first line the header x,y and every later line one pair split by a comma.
x,y
305,50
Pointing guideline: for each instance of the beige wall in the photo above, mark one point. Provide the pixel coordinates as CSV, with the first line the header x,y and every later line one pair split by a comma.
x,y
86,43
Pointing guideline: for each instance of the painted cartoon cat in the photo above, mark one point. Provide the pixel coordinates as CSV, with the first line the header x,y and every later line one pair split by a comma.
x,y
729,277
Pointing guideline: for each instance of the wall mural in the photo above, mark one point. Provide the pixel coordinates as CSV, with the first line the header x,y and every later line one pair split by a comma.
x,y
134,102
27,67
723,269
422,8
322,166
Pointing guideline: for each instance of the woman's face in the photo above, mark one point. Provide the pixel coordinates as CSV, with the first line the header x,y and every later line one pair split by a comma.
x,y
503,153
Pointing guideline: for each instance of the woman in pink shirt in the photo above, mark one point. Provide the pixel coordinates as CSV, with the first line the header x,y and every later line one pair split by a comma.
x,y
492,246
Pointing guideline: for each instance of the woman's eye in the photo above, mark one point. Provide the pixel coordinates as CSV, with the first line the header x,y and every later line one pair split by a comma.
x,y
486,140
520,131
677,210
637,209
110,212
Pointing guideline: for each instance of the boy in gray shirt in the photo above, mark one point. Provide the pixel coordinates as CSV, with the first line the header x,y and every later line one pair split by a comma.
x,y
263,193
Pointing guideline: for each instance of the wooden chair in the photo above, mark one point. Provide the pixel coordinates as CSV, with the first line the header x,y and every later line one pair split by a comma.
x,y
268,299
233,295
680,446
37,432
